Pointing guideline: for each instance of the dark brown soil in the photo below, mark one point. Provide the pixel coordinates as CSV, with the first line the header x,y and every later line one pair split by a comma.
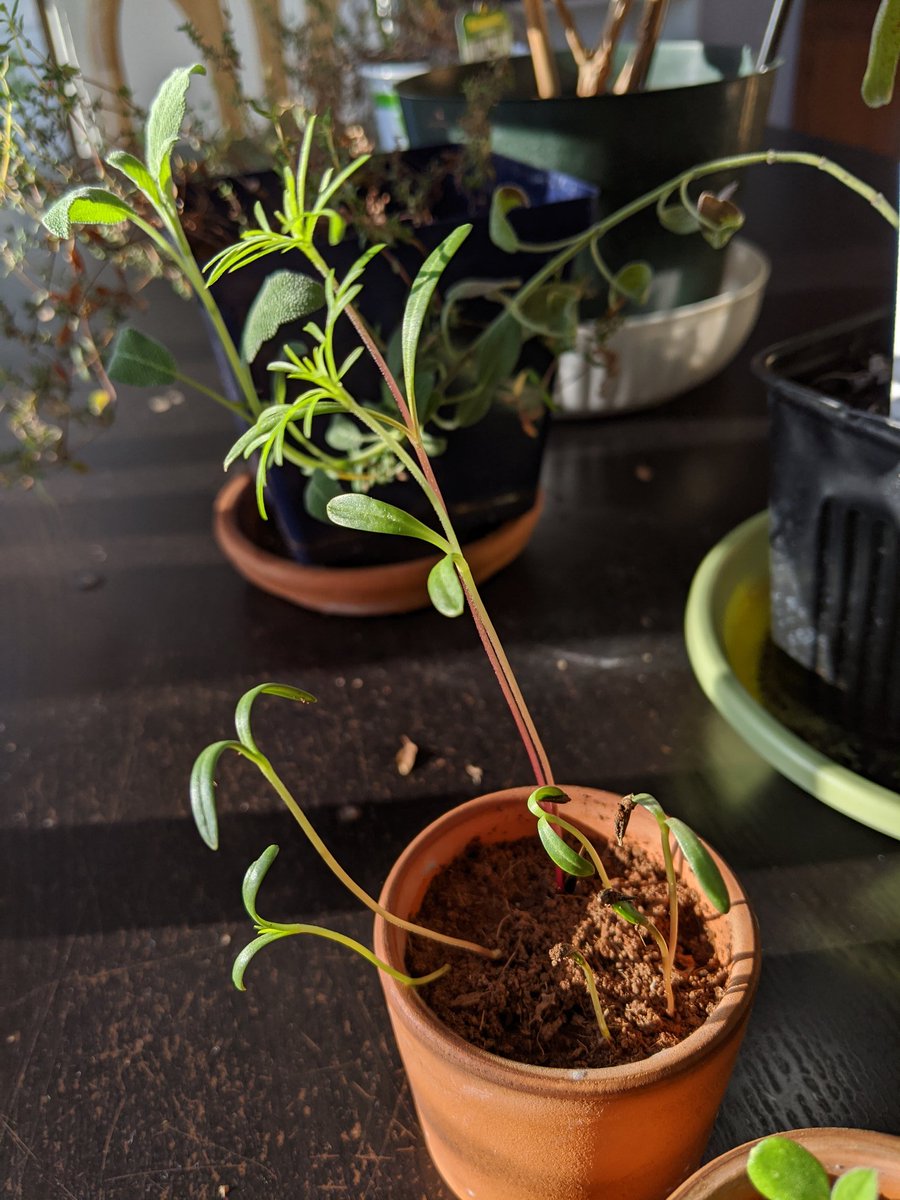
x,y
524,1007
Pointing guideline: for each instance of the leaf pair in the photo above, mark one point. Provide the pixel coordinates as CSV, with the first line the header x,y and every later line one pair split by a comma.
x,y
781,1169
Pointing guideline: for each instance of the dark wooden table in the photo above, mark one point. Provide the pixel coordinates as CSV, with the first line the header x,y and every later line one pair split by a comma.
x,y
129,1067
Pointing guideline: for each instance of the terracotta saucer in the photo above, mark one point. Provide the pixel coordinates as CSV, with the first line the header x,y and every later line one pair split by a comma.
x,y
351,591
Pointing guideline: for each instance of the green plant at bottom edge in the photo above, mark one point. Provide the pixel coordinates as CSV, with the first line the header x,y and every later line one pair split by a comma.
x,y
781,1169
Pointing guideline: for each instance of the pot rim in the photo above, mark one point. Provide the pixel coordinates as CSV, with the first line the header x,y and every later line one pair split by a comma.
x,y
817,1139
726,1019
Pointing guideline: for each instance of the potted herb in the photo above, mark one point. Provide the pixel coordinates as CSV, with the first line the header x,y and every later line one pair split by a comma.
x,y
648,1059
812,1164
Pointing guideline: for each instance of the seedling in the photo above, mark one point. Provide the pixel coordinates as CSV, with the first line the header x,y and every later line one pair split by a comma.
x,y
781,1169
588,862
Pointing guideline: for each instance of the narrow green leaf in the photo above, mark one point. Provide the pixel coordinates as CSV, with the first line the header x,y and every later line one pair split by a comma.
x,y
249,952
884,52
632,282
164,122
652,805
417,305
253,878
374,516
203,790
140,360
707,873
504,201
780,1169
85,206
285,296
629,913
549,794
859,1184
245,706
561,852
445,589
133,169
319,491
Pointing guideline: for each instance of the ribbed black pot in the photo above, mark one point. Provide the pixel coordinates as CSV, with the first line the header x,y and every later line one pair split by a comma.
x,y
835,523
489,471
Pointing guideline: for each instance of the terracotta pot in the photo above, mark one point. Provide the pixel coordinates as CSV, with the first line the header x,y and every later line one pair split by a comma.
x,y
503,1130
838,1150
349,591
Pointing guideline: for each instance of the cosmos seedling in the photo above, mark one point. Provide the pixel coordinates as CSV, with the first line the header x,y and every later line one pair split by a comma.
x,y
203,806
587,862
781,1169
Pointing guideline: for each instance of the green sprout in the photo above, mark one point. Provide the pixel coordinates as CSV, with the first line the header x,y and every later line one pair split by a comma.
x,y
587,862
203,807
781,1169
591,981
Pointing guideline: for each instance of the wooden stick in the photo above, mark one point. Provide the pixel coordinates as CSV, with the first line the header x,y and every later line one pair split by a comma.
x,y
592,80
633,75
545,73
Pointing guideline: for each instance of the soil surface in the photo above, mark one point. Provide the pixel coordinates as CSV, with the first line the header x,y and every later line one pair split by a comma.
x,y
532,1005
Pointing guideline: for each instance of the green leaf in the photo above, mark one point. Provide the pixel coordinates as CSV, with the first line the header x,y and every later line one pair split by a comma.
x,y
249,952
140,360
632,282
319,491
504,201
374,516
720,219
859,1184
676,218
343,434
707,873
780,1169
203,790
85,206
245,705
417,305
652,805
561,852
445,589
549,793
135,170
164,122
253,878
629,913
884,52
285,296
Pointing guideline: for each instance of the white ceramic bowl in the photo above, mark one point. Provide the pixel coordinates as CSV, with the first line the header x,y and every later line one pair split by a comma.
x,y
657,356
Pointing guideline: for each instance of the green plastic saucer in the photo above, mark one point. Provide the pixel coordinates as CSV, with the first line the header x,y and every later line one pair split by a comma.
x,y
726,627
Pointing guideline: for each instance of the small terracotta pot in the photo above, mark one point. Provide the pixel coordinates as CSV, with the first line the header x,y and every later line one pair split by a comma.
x,y
503,1130
350,591
838,1150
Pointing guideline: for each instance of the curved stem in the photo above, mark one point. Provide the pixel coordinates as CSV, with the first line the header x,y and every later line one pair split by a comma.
x,y
672,881
667,973
335,867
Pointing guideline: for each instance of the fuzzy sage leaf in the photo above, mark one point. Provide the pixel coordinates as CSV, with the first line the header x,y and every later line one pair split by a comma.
x,y
355,511
285,296
203,790
85,206
132,168
164,122
140,360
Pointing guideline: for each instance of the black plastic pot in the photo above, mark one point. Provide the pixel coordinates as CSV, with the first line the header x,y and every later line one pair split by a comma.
x,y
489,471
701,102
835,523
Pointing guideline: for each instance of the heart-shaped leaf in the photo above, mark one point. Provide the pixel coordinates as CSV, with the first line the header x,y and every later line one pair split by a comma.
x,y
780,1169
285,296
504,201
632,282
445,589
85,206
355,511
677,219
140,360
859,1184
720,219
